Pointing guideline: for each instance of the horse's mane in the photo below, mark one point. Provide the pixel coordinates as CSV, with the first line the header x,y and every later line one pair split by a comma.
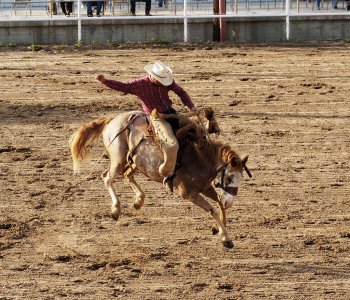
x,y
214,150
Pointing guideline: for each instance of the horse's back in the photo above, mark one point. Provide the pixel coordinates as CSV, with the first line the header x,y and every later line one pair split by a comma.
x,y
118,125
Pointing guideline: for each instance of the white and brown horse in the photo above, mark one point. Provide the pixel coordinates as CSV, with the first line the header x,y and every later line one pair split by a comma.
x,y
201,161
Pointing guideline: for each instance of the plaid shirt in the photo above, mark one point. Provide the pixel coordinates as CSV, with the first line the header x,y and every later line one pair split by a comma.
x,y
151,95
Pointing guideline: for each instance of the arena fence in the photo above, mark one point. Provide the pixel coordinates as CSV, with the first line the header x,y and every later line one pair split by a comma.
x,y
37,11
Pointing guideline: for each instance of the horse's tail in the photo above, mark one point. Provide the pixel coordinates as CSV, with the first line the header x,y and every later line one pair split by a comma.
x,y
80,139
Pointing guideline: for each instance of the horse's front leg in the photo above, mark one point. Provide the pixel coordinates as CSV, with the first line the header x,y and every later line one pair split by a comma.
x,y
197,199
140,195
215,228
211,193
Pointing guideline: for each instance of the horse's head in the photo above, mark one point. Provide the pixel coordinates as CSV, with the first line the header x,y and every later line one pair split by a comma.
x,y
230,175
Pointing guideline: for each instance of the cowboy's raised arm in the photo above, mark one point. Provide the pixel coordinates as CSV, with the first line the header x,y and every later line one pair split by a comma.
x,y
128,87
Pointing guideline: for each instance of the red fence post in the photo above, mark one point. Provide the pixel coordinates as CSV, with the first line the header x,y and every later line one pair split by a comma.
x,y
222,8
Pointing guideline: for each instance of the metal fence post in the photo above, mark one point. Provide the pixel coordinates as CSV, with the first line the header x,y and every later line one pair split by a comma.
x,y
79,22
287,19
185,21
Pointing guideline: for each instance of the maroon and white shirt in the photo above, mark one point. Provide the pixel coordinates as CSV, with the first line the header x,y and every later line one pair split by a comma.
x,y
151,95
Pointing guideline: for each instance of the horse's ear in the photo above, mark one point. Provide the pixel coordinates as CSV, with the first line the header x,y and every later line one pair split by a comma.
x,y
244,161
209,113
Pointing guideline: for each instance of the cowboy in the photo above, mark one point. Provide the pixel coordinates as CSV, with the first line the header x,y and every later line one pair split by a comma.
x,y
153,92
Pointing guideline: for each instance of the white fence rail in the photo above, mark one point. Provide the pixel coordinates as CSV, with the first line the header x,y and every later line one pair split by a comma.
x,y
27,11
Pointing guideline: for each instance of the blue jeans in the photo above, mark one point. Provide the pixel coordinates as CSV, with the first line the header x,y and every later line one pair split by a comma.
x,y
174,122
89,8
335,3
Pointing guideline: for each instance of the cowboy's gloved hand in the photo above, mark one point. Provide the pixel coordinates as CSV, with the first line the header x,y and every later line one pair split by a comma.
x,y
193,109
101,78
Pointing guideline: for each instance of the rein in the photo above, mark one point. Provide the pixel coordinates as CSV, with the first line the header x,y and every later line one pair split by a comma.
x,y
130,121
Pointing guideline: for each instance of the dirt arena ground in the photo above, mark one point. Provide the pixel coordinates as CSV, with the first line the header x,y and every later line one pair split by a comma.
x,y
285,104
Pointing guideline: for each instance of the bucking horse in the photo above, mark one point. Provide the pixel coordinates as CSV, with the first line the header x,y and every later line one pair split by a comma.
x,y
131,148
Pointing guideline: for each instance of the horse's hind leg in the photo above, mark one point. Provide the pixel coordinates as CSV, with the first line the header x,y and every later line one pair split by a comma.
x,y
108,177
140,195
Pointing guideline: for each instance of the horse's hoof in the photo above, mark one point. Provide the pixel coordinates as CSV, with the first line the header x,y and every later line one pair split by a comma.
x,y
215,229
115,214
137,205
228,244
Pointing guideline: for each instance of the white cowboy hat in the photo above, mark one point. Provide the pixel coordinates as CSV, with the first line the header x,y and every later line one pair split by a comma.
x,y
160,72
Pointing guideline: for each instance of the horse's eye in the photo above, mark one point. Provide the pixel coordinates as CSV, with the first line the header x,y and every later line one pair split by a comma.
x,y
229,179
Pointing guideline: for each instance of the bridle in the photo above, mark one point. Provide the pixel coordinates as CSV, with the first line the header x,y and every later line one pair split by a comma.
x,y
228,189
